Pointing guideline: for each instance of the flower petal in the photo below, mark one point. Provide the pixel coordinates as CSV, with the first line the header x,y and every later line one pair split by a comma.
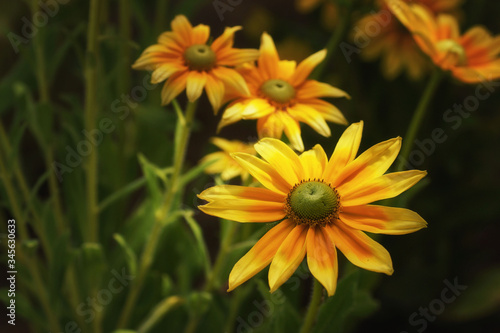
x,y
289,256
268,59
270,126
200,34
243,204
194,84
328,111
372,163
181,26
360,249
292,130
173,87
215,92
232,79
236,57
164,71
315,89
260,255
257,108
345,151
282,158
231,114
263,172
322,258
313,162
313,118
383,187
382,219
225,40
305,68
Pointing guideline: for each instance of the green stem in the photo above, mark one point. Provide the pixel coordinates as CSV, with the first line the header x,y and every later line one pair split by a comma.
x,y
41,75
314,305
154,236
335,38
91,119
159,311
418,117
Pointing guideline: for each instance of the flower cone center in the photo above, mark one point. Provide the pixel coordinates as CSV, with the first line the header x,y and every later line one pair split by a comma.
x,y
278,90
453,52
313,202
199,57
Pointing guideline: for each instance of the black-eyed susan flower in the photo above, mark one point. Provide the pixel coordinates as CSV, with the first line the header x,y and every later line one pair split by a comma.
x,y
281,96
183,58
380,35
322,205
472,57
223,163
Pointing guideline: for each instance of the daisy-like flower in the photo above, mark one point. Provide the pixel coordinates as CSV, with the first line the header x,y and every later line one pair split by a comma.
x,y
472,57
223,163
381,35
281,96
323,205
183,58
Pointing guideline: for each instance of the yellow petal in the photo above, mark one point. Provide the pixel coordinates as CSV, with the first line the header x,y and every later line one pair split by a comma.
x,y
181,26
360,249
289,256
311,117
313,162
194,84
263,172
322,258
243,204
373,163
260,255
236,57
232,79
225,40
345,151
282,158
270,126
328,111
383,187
164,71
268,59
215,92
231,114
292,130
257,108
382,219
306,66
173,87
286,69
314,89
200,34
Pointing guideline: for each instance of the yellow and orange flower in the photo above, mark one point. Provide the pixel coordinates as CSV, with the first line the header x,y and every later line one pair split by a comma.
x,y
323,205
281,96
380,35
472,57
223,163
183,58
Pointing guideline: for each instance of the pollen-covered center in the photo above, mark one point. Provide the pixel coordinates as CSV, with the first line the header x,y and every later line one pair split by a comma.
x,y
313,202
200,57
278,91
454,52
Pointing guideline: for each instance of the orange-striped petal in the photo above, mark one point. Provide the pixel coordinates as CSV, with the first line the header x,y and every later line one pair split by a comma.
x,y
360,249
315,89
173,87
270,126
282,158
345,151
322,258
380,188
292,130
215,92
311,117
328,111
260,255
231,78
257,108
305,68
243,204
263,172
288,257
181,26
225,40
200,34
231,114
194,84
236,57
382,219
268,59
164,71
370,164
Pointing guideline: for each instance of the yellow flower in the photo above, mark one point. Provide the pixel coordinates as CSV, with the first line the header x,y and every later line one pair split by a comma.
x,y
380,35
323,205
472,57
281,96
223,163
183,58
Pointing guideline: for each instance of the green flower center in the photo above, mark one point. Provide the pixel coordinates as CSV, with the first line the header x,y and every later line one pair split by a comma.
x,y
200,57
313,202
278,91
453,49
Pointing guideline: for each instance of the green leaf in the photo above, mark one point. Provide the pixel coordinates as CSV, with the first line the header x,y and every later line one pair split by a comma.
x,y
92,264
346,307
130,256
198,235
151,173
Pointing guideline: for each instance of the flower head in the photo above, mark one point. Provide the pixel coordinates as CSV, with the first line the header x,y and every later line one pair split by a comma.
x,y
183,58
323,205
383,36
223,163
472,57
281,96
